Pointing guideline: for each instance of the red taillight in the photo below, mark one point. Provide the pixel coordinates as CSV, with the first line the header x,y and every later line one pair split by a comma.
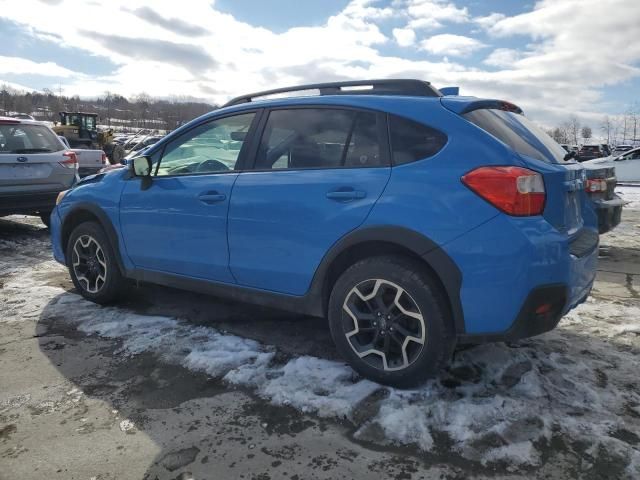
x,y
104,158
71,161
596,185
516,191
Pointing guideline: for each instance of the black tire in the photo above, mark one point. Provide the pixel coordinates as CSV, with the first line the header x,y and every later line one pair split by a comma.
x,y
407,363
110,287
115,153
46,218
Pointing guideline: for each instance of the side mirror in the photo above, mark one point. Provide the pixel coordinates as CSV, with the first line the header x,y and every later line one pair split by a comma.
x,y
141,166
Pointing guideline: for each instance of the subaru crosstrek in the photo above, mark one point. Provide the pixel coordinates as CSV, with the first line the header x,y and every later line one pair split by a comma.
x,y
413,221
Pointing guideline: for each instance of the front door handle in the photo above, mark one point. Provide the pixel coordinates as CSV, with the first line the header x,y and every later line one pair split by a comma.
x,y
346,195
212,197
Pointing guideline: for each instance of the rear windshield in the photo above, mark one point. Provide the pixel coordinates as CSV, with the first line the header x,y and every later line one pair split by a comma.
x,y
591,148
518,132
27,138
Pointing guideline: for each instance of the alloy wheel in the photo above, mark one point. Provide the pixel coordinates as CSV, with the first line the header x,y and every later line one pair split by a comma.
x,y
383,324
89,263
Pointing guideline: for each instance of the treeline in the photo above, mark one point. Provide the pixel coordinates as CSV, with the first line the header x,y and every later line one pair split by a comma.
x,y
140,111
612,129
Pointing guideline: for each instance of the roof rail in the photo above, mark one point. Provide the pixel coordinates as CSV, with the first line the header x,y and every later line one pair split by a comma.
x,y
410,87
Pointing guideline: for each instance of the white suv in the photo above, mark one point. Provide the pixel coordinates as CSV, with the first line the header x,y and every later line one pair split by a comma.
x,y
34,167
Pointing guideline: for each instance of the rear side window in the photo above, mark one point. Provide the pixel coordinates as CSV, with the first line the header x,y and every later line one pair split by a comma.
x,y
319,138
518,132
411,141
26,138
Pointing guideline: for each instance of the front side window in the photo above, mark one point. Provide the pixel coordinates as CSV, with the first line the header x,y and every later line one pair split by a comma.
x,y
319,138
213,147
412,141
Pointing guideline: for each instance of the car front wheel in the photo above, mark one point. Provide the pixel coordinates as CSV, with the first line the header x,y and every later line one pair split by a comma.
x,y
92,264
390,321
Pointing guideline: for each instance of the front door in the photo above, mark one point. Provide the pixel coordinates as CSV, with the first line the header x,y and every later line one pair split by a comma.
x,y
179,223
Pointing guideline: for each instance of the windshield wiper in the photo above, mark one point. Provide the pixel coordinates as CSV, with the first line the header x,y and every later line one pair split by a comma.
x,y
569,156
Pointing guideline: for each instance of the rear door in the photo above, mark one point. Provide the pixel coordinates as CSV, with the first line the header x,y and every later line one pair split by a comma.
x,y
32,160
317,174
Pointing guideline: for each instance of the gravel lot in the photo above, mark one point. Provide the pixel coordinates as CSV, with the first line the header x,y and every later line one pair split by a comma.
x,y
175,385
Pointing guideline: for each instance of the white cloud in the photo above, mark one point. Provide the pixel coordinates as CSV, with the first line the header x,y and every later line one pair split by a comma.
x,y
489,21
573,50
23,66
434,13
502,57
405,37
451,45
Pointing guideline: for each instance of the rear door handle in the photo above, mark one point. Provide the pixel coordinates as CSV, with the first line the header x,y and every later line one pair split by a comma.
x,y
211,197
346,195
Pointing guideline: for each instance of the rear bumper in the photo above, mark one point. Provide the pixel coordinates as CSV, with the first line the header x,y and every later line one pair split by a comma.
x,y
508,263
27,203
530,320
609,213
86,171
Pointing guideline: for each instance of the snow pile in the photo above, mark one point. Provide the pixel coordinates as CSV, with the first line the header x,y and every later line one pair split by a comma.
x,y
631,195
497,402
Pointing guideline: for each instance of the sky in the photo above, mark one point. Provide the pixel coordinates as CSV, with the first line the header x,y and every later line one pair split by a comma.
x,y
553,58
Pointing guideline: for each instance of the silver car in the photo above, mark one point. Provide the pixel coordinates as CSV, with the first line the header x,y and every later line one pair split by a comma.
x,y
34,167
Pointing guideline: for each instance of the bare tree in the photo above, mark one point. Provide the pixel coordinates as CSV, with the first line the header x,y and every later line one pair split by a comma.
x,y
573,127
606,127
586,132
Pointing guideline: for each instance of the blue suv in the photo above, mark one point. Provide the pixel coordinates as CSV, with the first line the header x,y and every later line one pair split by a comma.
x,y
411,220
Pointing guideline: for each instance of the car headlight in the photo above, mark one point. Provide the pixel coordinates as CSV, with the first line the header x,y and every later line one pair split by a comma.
x,y
61,196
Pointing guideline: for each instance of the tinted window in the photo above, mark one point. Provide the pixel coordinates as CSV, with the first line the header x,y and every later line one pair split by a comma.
x,y
519,133
213,147
319,138
411,141
28,138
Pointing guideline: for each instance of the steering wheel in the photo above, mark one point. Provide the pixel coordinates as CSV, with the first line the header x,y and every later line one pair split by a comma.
x,y
211,166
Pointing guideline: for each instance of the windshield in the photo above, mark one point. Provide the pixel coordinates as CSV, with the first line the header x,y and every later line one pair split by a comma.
x,y
27,138
518,132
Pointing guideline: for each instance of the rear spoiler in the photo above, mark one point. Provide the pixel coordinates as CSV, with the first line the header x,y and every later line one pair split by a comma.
x,y
462,105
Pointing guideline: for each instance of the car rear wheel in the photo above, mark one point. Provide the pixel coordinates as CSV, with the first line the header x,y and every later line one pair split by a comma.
x,y
92,264
390,321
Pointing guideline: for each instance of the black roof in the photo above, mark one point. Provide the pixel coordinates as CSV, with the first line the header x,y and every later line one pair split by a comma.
x,y
410,87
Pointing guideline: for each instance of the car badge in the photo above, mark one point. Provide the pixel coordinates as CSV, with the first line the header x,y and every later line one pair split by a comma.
x,y
22,159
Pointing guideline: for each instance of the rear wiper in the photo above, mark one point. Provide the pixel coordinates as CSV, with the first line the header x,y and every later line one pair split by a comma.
x,y
569,156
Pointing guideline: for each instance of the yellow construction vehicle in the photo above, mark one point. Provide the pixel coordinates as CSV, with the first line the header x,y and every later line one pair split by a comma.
x,y
81,131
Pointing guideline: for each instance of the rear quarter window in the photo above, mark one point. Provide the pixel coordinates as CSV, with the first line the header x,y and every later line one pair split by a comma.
x,y
519,133
412,141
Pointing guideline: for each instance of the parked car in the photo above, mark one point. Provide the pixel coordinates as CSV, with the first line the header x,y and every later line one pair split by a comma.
x,y
411,220
90,161
600,186
620,149
627,165
23,116
35,167
589,152
570,148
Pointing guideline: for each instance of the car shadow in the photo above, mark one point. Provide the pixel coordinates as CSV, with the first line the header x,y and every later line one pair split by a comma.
x,y
144,388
